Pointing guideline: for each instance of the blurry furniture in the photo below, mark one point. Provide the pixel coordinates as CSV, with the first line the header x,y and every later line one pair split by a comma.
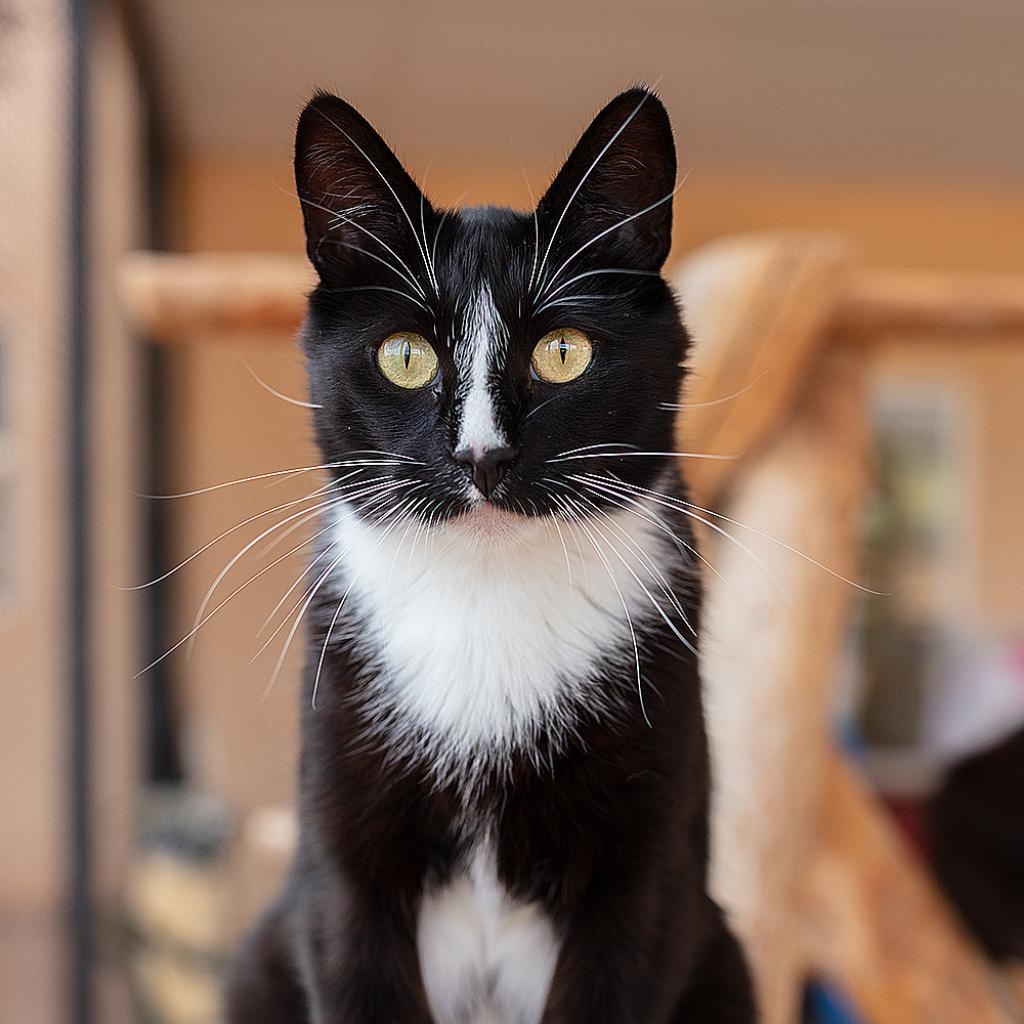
x,y
811,871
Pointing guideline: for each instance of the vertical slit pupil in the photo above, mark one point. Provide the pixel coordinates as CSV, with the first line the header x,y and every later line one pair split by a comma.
x,y
563,349
407,353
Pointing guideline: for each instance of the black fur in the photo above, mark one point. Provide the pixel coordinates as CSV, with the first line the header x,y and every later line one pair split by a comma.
x,y
978,844
606,828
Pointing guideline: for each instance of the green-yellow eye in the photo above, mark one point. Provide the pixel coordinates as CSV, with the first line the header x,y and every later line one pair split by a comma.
x,y
562,355
407,360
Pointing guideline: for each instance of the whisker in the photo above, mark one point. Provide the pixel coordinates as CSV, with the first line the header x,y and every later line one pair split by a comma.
x,y
646,559
673,600
646,455
789,547
343,464
411,281
240,554
550,280
643,512
565,209
272,390
593,447
378,288
380,499
221,536
380,174
629,619
674,503
600,271
195,629
677,406
341,604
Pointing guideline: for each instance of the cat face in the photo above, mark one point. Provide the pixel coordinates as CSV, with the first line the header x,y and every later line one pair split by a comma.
x,y
468,362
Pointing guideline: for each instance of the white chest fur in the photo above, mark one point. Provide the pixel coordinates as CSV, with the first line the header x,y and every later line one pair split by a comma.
x,y
492,628
485,959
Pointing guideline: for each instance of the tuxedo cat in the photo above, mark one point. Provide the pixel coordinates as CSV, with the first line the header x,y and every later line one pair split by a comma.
x,y
503,789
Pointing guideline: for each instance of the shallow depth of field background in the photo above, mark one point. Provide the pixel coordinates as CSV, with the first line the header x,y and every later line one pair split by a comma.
x,y
899,126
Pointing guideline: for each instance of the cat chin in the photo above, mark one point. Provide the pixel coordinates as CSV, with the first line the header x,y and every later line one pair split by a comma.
x,y
488,523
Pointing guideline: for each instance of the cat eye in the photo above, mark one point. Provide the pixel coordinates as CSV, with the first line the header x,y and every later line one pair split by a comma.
x,y
562,355
407,360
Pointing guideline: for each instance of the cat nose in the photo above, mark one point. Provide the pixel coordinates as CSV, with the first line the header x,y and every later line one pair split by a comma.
x,y
486,466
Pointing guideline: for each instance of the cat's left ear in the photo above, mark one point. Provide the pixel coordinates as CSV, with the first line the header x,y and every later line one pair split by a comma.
x,y
613,195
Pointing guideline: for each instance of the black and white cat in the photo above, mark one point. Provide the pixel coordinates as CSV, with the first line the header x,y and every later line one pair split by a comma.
x,y
504,780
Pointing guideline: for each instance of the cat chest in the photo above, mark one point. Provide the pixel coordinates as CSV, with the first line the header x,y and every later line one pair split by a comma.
x,y
478,648
485,958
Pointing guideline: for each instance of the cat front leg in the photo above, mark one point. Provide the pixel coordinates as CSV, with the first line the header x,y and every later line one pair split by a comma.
x,y
623,960
358,959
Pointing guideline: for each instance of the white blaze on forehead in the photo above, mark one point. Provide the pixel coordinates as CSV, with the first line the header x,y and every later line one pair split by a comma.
x,y
478,353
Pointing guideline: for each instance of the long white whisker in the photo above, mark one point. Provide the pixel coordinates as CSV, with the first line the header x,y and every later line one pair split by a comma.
x,y
594,447
565,209
618,590
651,567
551,293
277,394
342,218
381,496
380,174
227,533
674,503
551,279
643,512
240,554
402,507
195,629
789,547
673,600
411,281
646,455
378,288
565,549
677,406
342,464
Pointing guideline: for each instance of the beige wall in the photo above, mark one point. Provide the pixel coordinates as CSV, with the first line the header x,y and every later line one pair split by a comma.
x,y
227,427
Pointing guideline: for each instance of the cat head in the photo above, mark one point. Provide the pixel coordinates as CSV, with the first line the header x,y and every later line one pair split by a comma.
x,y
479,362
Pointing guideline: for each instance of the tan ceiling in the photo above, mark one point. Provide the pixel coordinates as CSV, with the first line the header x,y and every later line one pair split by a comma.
x,y
869,89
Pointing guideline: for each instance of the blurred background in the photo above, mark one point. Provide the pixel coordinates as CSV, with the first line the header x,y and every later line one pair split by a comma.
x,y
144,817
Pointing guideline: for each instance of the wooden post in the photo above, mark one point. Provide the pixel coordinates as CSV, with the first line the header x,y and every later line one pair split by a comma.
x,y
774,626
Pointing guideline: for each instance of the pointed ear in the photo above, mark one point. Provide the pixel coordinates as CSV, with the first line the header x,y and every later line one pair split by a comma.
x,y
355,194
613,195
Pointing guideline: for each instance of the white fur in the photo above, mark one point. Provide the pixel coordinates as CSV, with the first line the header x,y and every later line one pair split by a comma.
x,y
485,959
478,355
490,628
481,633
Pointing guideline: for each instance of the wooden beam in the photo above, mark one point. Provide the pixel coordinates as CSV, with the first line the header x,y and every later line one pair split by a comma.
x,y
911,302
182,298
759,309
188,297
877,926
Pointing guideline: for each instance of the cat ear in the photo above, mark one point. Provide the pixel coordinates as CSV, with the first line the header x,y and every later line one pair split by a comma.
x,y
358,201
613,196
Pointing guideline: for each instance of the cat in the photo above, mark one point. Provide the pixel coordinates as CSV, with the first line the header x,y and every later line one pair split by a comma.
x,y
504,782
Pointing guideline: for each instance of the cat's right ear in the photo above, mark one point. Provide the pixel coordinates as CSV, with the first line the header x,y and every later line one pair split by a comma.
x,y
358,201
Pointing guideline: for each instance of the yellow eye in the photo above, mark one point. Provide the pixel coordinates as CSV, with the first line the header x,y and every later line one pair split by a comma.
x,y
562,355
407,360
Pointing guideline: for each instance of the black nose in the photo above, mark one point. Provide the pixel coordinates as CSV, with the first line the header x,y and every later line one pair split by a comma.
x,y
487,467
